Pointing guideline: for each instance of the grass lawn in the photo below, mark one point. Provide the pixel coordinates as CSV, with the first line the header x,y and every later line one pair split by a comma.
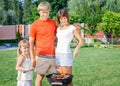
x,y
92,67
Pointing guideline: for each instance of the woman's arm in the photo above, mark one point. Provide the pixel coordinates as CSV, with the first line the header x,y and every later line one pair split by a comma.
x,y
80,41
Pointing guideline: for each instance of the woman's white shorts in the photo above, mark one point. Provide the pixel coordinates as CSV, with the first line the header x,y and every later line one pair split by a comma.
x,y
64,59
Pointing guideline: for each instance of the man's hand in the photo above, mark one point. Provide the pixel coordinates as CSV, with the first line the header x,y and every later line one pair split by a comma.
x,y
33,61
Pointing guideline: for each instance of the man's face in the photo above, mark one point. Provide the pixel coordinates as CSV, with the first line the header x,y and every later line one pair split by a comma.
x,y
44,14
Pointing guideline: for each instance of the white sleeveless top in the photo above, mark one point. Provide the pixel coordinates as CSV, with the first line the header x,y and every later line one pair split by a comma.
x,y
64,39
27,75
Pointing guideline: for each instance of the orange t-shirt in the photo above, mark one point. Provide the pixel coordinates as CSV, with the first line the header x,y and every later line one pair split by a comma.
x,y
44,32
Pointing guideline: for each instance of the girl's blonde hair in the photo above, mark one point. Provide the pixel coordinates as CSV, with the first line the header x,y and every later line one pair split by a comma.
x,y
22,43
43,6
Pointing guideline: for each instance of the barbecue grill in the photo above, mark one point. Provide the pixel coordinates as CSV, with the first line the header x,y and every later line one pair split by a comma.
x,y
56,79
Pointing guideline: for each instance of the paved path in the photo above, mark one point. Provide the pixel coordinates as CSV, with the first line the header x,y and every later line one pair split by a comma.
x,y
7,48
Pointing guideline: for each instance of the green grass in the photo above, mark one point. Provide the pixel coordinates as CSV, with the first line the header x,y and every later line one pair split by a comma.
x,y
92,67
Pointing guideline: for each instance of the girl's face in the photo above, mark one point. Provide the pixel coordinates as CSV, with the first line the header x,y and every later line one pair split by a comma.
x,y
44,14
63,21
25,49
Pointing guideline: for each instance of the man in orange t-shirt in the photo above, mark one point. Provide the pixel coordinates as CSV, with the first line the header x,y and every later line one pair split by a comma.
x,y
42,33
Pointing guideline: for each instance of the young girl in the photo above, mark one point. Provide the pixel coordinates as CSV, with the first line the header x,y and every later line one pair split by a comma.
x,y
25,74
65,34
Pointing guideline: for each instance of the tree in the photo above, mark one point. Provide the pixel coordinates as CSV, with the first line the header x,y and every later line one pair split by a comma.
x,y
90,13
56,5
34,14
112,5
27,6
10,12
2,16
10,18
16,5
111,23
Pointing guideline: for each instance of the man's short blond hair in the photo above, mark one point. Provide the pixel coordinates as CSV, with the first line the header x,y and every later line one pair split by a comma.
x,y
43,6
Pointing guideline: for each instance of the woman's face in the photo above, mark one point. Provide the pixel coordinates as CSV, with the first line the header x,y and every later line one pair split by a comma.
x,y
63,21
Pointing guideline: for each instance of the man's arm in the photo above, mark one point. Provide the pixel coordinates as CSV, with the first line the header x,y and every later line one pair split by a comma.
x,y
32,54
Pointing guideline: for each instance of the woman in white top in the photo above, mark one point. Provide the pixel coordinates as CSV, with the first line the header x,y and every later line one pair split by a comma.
x,y
25,74
65,34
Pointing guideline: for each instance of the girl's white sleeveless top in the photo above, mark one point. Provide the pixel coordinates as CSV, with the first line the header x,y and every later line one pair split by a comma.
x,y
27,75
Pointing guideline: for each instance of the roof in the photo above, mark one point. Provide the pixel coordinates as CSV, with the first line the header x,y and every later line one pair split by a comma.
x,y
99,34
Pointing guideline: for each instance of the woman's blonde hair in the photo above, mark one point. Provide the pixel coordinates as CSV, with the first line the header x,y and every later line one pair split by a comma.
x,y
22,43
43,6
